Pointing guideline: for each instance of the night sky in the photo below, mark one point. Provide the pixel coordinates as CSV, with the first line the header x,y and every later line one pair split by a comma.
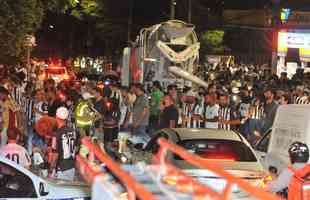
x,y
71,37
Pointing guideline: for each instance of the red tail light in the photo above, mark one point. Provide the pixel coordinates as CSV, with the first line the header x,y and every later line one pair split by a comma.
x,y
219,157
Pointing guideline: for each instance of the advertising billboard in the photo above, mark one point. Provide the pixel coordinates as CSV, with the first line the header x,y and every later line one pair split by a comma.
x,y
294,40
297,40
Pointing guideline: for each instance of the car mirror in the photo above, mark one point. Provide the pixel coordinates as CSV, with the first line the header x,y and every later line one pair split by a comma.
x,y
43,189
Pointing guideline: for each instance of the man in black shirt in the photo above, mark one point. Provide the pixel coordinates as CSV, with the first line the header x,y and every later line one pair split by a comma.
x,y
169,116
66,146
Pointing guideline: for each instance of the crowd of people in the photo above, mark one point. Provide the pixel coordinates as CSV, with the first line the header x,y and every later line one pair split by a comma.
x,y
240,98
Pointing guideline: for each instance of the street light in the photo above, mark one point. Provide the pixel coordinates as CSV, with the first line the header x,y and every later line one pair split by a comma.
x,y
30,41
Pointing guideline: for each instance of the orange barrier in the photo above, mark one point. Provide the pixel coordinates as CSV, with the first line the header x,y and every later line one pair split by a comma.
x,y
212,167
133,188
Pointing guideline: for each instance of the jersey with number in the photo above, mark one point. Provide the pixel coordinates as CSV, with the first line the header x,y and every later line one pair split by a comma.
x,y
66,148
16,153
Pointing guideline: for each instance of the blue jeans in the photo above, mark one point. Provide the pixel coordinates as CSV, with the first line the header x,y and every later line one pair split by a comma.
x,y
33,138
140,134
254,125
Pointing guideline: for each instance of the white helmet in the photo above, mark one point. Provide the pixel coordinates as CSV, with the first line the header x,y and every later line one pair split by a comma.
x,y
62,113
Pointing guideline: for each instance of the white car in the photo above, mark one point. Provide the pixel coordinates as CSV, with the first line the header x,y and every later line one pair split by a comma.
x,y
16,182
56,73
227,148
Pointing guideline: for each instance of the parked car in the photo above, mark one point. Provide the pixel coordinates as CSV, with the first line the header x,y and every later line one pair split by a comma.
x,y
16,182
228,148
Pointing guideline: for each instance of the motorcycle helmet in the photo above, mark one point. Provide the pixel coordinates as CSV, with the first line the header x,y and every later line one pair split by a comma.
x,y
298,152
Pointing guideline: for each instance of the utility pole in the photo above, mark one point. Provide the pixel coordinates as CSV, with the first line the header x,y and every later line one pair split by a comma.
x,y
189,19
130,20
172,9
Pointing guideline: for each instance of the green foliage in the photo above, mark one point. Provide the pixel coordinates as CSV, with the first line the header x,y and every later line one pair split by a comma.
x,y
17,19
212,42
77,8
214,38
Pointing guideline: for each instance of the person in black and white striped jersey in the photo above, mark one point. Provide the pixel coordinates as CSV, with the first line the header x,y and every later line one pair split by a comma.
x,y
300,97
229,118
211,111
192,111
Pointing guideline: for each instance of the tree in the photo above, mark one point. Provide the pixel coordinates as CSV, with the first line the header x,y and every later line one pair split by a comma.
x,y
212,42
77,8
18,18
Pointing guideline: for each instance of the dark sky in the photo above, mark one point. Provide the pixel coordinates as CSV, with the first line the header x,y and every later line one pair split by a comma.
x,y
71,36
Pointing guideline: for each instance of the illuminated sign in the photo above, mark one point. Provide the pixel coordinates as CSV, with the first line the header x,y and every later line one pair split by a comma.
x,y
294,40
285,13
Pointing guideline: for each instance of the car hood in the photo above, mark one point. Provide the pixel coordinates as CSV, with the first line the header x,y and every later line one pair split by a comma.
x,y
251,172
245,166
68,189
250,175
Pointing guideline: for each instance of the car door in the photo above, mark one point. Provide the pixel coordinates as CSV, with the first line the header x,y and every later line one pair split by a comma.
x,y
153,146
261,148
14,184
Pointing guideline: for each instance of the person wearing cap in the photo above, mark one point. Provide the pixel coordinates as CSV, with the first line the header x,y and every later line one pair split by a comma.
x,y
66,146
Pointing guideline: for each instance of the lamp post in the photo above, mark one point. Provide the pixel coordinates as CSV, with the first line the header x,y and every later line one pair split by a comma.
x,y
189,17
30,41
172,9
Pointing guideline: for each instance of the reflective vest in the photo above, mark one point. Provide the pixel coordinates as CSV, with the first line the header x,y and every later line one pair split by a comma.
x,y
299,188
84,115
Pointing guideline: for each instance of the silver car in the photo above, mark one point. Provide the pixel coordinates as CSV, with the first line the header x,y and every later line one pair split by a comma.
x,y
227,148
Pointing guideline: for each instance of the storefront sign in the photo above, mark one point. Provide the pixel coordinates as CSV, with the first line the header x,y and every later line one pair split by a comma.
x,y
294,40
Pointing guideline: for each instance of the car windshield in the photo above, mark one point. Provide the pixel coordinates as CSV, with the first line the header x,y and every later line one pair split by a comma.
x,y
213,149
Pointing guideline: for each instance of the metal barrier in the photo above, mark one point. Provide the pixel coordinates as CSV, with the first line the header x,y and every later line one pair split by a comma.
x,y
134,189
198,189
171,180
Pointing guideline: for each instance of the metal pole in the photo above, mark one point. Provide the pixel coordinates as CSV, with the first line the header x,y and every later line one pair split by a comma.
x,y
172,9
189,11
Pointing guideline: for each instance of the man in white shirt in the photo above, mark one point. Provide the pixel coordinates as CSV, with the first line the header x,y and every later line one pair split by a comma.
x,y
211,112
14,151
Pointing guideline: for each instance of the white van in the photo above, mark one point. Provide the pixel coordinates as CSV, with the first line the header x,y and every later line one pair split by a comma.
x,y
292,123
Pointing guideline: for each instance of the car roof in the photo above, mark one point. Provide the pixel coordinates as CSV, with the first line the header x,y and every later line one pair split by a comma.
x,y
194,133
